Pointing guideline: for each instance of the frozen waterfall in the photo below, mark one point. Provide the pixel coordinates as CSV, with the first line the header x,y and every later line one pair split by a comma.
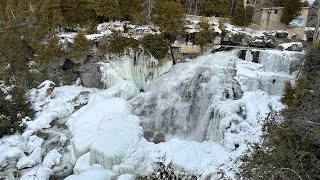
x,y
200,117
186,103
267,70
139,67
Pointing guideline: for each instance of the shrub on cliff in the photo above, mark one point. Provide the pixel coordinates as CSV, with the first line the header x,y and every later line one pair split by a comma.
x,y
117,44
81,47
13,110
156,45
49,52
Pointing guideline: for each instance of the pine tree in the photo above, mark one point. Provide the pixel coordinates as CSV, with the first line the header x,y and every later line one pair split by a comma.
x,y
291,9
242,16
49,52
130,9
118,44
169,17
80,47
288,97
52,18
156,45
206,34
217,8
77,12
107,9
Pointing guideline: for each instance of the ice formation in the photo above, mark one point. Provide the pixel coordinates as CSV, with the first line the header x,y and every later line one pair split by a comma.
x,y
268,70
199,117
139,67
183,103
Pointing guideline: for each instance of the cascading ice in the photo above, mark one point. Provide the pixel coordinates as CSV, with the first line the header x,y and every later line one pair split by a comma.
x,y
267,70
182,103
139,67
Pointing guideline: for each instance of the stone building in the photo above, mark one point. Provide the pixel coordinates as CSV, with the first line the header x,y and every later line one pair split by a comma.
x,y
269,19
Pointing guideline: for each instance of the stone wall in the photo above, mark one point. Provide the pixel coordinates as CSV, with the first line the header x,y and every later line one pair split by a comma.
x,y
269,19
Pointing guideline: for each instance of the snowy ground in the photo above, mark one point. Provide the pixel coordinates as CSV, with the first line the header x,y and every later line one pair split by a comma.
x,y
93,134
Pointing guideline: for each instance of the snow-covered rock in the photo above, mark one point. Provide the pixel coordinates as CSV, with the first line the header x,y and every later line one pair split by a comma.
x,y
42,173
83,163
52,158
95,173
63,103
293,46
29,161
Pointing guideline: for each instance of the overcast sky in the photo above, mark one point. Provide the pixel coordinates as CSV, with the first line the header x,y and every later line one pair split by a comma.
x,y
310,1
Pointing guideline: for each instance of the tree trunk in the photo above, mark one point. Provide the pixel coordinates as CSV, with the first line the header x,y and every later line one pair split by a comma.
x,y
316,30
172,55
150,6
111,23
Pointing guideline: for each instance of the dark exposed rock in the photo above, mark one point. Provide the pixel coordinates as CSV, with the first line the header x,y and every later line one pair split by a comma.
x,y
160,137
149,135
68,64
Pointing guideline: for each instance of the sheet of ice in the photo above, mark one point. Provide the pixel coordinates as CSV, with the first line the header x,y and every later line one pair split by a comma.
x,y
123,89
275,60
121,135
94,173
252,77
91,121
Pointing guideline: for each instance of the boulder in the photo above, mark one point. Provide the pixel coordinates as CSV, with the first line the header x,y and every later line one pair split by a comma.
x,y
293,46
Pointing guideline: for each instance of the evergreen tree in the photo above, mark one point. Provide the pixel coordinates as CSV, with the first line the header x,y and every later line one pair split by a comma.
x,y
77,12
217,8
292,9
108,9
169,17
13,111
49,52
242,16
80,48
206,34
118,44
130,9
156,45
51,16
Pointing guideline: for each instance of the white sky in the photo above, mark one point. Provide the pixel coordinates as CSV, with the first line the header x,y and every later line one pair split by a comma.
x,y
310,1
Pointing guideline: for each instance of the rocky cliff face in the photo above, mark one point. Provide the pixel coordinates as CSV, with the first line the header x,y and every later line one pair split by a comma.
x,y
104,71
